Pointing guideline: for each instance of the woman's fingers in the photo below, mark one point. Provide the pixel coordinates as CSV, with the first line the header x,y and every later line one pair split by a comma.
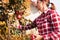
x,y
38,37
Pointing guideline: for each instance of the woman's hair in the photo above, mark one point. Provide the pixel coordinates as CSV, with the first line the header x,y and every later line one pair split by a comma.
x,y
52,6
48,3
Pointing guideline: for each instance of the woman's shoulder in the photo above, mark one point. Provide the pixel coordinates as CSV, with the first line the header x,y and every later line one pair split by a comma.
x,y
51,11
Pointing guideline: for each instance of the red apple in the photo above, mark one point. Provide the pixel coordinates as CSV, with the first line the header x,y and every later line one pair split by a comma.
x,y
19,16
33,37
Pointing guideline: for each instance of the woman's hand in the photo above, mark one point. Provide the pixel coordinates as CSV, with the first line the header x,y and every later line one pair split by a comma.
x,y
38,37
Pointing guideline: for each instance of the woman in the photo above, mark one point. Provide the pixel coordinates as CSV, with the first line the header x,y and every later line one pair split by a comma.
x,y
47,23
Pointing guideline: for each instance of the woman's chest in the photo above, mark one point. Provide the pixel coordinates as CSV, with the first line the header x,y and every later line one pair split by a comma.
x,y
43,20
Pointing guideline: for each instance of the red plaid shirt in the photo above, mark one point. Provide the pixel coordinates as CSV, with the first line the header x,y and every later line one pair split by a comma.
x,y
48,25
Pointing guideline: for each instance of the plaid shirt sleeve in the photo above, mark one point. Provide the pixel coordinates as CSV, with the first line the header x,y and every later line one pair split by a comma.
x,y
30,26
55,18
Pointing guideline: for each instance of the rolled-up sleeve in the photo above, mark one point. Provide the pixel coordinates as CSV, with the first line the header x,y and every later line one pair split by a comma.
x,y
30,26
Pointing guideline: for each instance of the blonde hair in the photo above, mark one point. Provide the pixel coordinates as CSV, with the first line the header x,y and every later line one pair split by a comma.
x,y
52,6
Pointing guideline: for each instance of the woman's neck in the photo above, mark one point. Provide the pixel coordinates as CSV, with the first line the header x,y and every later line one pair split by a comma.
x,y
46,8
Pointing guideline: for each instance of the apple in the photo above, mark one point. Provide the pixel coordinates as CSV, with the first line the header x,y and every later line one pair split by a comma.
x,y
19,16
33,37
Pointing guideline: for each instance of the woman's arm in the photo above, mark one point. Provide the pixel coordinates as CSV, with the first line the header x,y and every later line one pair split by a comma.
x,y
30,26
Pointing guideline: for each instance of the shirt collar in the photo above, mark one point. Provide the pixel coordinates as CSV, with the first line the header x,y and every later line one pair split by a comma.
x,y
46,10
